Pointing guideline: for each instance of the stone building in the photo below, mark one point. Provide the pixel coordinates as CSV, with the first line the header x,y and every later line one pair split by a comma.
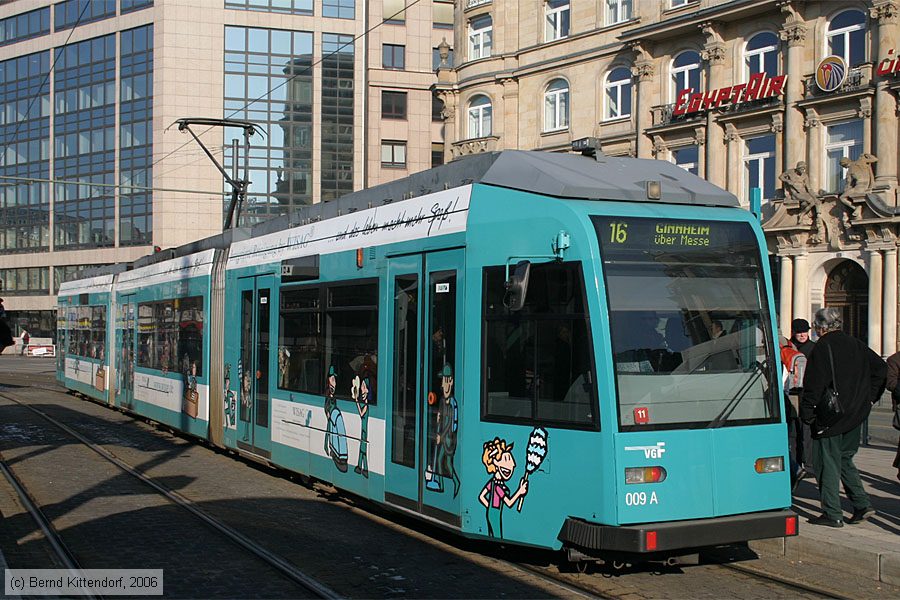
x,y
89,90
727,90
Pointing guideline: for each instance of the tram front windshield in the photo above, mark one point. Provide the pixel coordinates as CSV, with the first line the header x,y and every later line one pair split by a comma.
x,y
690,325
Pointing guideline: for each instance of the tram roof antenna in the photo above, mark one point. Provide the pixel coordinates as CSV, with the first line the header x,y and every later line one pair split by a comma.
x,y
238,186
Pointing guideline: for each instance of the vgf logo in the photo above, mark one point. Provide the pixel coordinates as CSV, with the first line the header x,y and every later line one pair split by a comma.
x,y
649,451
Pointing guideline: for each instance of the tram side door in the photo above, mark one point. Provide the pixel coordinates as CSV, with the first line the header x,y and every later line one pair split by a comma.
x,y
253,433
125,348
422,468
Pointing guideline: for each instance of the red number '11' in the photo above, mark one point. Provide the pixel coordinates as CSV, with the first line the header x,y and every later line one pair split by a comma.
x,y
641,415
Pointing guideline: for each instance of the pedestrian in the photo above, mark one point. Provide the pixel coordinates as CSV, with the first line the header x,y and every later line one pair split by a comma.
x,y
800,337
849,367
6,338
893,384
793,365
26,338
802,343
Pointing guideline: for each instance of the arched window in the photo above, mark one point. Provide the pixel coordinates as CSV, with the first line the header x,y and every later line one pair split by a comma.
x,y
479,117
686,72
761,54
618,93
847,37
556,105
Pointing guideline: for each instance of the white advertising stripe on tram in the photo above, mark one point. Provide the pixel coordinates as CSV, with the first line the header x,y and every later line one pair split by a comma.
x,y
440,213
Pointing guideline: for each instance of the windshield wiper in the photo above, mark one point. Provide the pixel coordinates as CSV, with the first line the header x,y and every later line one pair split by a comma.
x,y
738,396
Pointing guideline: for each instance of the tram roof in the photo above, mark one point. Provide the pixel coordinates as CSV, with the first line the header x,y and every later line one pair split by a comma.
x,y
560,175
547,173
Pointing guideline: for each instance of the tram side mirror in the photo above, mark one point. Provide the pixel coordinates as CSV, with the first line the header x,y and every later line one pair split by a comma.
x,y
517,286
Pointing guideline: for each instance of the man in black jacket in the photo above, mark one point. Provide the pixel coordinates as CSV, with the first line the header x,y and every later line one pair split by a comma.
x,y
800,337
858,375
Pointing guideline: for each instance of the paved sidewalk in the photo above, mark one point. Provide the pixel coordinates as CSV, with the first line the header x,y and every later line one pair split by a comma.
x,y
871,548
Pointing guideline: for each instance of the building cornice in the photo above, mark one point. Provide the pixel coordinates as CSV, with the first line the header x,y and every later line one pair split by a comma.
x,y
687,22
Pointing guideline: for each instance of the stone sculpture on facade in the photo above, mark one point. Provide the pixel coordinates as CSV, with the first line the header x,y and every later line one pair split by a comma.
x,y
796,188
857,184
444,54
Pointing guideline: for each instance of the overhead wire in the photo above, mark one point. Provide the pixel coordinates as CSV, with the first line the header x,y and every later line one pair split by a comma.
x,y
218,149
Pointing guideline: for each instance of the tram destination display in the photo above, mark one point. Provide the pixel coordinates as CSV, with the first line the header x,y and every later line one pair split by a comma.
x,y
656,235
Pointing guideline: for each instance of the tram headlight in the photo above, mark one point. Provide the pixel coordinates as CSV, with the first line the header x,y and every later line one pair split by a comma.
x,y
772,464
644,475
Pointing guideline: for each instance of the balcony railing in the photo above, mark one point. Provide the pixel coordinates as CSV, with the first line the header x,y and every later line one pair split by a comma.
x,y
858,77
664,114
474,146
474,3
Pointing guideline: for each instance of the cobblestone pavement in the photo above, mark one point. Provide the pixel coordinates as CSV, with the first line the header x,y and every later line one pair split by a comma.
x,y
350,545
109,519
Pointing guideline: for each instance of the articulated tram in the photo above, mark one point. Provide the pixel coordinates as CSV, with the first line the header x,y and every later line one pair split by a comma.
x,y
552,350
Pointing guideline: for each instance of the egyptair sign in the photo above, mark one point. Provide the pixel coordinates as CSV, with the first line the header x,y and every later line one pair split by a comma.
x,y
889,66
760,86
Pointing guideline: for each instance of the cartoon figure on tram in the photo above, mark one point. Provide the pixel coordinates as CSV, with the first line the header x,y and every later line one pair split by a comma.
x,y
335,431
500,464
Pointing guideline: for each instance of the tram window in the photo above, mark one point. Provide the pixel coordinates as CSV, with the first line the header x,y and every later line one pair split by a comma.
x,y
538,362
170,335
348,342
86,327
98,332
406,322
190,335
300,341
689,323
351,335
146,336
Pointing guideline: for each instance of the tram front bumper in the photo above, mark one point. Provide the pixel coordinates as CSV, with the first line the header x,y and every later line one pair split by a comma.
x,y
677,535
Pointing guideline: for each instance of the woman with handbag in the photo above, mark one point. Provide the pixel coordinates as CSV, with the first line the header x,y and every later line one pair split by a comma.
x,y
844,377
893,379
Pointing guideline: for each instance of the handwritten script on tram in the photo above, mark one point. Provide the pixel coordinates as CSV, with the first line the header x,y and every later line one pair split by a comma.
x,y
438,213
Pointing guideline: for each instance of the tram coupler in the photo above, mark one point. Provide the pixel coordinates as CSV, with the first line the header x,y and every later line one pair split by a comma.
x,y
573,555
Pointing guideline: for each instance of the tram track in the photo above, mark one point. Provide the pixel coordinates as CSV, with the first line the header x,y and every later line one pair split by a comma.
x,y
54,540
577,585
287,569
792,583
570,584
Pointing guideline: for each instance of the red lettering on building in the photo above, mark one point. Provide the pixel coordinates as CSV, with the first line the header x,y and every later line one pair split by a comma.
x,y
694,103
759,87
723,95
681,102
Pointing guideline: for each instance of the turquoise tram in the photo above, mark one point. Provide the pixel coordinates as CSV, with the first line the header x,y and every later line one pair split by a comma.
x,y
552,350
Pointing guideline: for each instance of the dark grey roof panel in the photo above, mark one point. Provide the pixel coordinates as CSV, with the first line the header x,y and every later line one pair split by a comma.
x,y
98,271
454,174
606,178
222,240
550,173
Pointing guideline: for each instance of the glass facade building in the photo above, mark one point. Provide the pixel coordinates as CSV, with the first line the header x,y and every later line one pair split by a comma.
x,y
136,136
93,173
337,115
25,135
268,80
84,143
